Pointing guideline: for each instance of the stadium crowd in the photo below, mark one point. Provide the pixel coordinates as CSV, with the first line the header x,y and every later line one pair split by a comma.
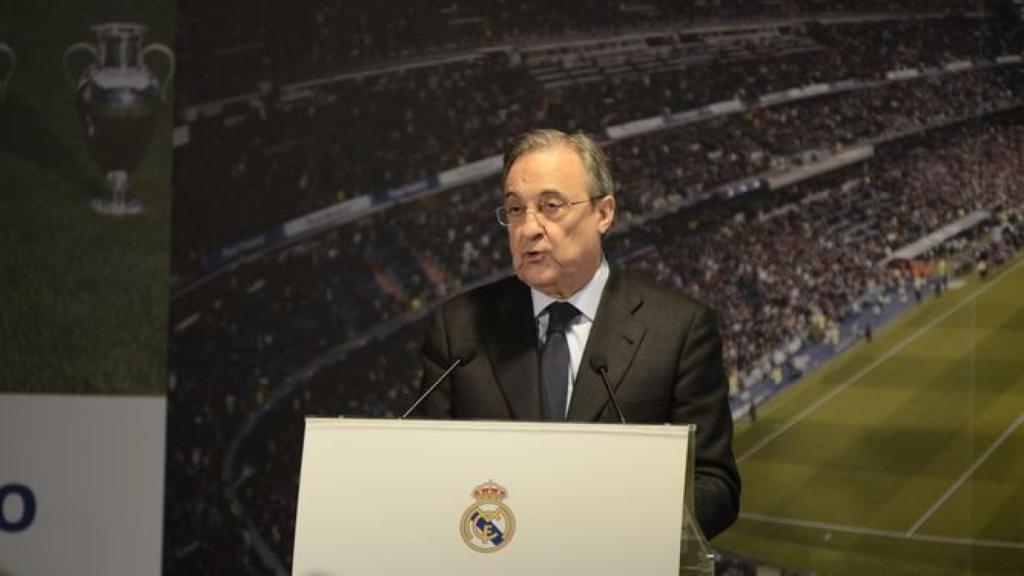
x,y
291,152
769,272
256,40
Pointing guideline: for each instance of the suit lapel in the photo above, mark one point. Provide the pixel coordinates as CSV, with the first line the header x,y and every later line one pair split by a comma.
x,y
512,347
617,334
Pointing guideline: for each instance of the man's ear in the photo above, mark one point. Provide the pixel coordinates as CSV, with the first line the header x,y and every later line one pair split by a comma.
x,y
605,213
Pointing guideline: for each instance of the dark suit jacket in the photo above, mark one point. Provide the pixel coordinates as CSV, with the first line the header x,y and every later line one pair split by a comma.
x,y
664,358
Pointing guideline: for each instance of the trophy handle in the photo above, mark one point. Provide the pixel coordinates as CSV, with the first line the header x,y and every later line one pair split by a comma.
x,y
10,73
77,47
161,49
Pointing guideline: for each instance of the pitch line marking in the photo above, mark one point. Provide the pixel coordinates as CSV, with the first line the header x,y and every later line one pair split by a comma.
x,y
895,534
877,362
963,477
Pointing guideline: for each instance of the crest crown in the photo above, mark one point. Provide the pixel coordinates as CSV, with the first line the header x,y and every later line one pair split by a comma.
x,y
489,492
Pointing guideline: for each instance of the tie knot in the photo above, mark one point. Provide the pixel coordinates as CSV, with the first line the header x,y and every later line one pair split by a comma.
x,y
560,315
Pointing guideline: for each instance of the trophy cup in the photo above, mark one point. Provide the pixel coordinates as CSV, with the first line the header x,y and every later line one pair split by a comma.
x,y
118,98
8,62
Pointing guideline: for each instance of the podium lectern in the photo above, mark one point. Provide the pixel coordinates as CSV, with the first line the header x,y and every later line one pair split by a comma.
x,y
388,497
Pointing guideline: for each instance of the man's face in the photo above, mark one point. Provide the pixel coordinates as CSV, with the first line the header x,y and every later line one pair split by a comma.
x,y
555,256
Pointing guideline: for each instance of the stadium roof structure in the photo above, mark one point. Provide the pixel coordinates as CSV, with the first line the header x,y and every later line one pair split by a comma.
x,y
926,243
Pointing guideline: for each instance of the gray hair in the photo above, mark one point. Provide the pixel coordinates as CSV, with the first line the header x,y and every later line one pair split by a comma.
x,y
595,162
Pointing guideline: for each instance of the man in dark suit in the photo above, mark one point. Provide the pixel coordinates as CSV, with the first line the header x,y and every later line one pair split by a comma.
x,y
535,341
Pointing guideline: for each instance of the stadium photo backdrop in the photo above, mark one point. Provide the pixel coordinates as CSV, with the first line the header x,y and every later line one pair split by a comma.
x,y
85,174
839,180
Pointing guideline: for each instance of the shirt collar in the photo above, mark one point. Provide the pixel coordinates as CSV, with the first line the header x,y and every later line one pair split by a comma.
x,y
585,299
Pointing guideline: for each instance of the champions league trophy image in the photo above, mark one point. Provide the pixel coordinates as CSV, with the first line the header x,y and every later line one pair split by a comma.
x,y
117,98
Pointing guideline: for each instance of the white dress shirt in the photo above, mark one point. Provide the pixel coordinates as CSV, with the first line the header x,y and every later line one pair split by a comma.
x,y
585,300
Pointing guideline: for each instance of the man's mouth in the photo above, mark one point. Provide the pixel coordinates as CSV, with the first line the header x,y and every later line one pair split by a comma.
x,y
534,255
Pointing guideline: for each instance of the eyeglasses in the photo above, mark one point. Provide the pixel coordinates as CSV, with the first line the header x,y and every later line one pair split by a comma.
x,y
552,209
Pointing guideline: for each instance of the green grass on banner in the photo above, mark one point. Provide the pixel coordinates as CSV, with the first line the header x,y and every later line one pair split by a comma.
x,y
83,297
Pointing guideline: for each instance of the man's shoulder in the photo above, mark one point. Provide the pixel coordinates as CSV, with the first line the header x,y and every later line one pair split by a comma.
x,y
652,297
485,296
660,298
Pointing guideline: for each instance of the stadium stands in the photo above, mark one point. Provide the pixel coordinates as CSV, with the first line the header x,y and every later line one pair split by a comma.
x,y
291,151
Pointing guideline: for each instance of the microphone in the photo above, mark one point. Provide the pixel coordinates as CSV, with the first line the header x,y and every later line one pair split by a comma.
x,y
599,364
460,360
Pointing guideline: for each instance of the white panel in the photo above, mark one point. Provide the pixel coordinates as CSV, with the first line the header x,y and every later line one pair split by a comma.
x,y
95,468
387,497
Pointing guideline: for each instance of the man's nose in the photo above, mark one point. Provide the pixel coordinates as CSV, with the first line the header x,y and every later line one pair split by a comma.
x,y
533,223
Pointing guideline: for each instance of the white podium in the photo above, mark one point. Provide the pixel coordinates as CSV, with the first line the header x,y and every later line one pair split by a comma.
x,y
388,497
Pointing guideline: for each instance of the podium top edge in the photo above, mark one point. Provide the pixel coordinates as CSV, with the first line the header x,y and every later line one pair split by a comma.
x,y
499,425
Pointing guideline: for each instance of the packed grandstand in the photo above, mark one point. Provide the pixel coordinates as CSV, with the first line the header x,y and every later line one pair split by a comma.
x,y
779,161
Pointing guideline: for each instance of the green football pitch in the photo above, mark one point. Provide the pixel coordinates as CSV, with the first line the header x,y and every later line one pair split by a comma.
x,y
83,296
901,456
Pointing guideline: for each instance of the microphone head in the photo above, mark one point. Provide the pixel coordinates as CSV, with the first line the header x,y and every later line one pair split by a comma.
x,y
465,356
598,363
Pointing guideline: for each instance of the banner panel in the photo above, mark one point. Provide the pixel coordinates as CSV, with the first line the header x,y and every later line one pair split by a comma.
x,y
81,484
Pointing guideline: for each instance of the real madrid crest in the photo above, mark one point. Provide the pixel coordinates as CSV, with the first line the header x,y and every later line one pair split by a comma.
x,y
488,524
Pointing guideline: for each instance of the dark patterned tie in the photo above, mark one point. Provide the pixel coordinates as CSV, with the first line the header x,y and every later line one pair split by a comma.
x,y
554,362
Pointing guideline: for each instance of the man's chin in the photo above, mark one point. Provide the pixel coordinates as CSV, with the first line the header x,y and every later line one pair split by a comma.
x,y
542,280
